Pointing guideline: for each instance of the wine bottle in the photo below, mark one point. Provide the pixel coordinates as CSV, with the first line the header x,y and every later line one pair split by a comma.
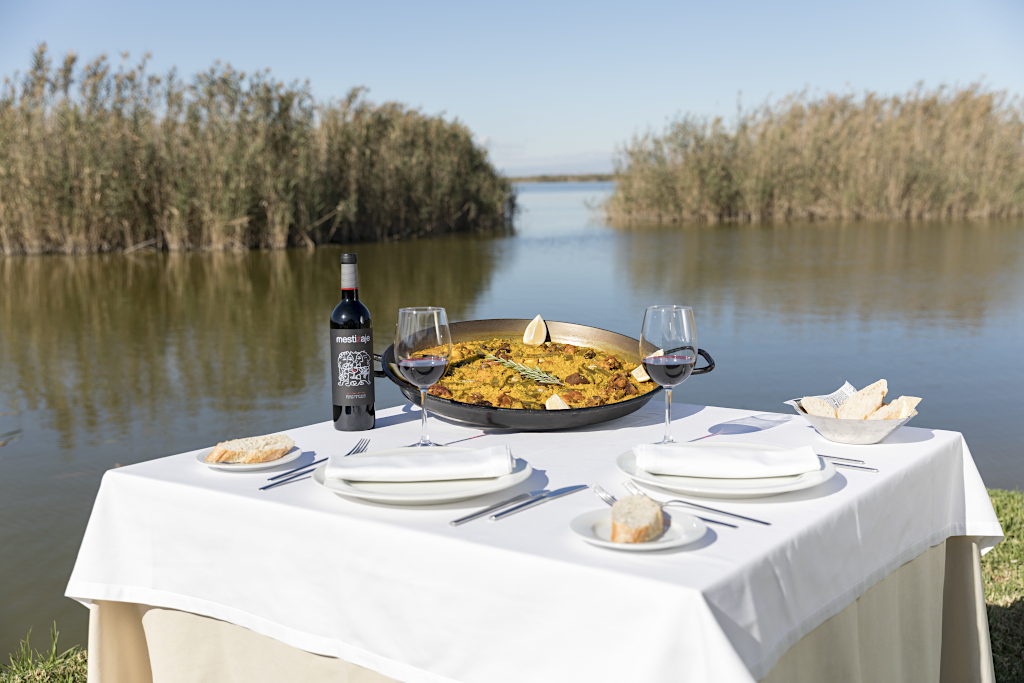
x,y
351,355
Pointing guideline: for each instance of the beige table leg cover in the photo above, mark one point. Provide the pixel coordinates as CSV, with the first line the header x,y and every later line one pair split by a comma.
x,y
924,622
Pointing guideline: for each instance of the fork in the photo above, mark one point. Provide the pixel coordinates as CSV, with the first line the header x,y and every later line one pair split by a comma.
x,y
360,447
636,490
610,499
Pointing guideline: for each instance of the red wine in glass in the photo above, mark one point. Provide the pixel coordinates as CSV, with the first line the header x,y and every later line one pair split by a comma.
x,y
668,345
423,371
423,344
670,370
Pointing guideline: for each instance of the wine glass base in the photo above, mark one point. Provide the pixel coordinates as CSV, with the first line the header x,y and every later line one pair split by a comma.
x,y
422,444
666,440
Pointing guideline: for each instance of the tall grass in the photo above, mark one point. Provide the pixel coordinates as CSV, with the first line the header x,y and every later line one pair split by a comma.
x,y
923,154
103,158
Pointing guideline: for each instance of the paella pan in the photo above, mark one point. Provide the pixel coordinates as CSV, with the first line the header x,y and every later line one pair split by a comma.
x,y
517,410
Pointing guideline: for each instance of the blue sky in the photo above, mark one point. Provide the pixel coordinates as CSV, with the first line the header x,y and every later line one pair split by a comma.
x,y
549,87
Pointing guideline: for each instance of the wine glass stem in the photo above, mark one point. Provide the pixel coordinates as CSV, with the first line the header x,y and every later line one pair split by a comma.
x,y
424,439
668,416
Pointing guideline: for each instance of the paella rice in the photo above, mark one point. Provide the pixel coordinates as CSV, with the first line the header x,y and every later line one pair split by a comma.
x,y
587,377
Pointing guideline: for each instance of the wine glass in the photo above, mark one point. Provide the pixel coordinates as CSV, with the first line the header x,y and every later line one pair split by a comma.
x,y
668,347
423,344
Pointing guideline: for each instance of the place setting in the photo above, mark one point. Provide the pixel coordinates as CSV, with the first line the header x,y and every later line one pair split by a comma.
x,y
637,522
713,469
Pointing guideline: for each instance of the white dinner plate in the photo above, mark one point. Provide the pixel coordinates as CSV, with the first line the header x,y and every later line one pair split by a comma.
x,y
291,455
727,488
421,492
595,527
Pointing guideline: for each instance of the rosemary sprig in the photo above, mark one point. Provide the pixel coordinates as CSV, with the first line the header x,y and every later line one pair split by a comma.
x,y
526,371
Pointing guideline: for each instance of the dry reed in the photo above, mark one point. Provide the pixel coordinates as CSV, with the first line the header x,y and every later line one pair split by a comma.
x,y
924,154
125,160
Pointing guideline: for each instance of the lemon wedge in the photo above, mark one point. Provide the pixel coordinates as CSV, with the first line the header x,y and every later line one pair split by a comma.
x,y
555,402
640,374
536,332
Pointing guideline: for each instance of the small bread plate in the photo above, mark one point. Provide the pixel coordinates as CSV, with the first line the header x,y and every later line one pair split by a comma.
x,y
290,456
595,527
727,488
421,492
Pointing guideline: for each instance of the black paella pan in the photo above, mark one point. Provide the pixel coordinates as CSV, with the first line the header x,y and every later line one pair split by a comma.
x,y
525,419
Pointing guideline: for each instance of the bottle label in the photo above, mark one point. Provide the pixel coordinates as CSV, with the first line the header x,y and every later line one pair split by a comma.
x,y
352,367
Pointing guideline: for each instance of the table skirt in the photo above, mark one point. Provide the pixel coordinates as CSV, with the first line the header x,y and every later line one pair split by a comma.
x,y
925,622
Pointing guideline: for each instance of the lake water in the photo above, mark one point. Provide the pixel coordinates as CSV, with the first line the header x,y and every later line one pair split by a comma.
x,y
112,360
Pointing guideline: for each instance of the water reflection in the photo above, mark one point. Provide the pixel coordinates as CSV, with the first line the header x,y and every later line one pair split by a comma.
x,y
10,424
101,342
931,271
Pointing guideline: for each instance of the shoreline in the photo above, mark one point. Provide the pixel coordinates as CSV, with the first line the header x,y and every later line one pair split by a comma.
x,y
581,178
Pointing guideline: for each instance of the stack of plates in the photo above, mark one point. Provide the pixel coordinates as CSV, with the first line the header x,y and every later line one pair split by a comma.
x,y
727,488
421,492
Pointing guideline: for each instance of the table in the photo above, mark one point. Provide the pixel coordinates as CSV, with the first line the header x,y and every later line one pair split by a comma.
x,y
399,593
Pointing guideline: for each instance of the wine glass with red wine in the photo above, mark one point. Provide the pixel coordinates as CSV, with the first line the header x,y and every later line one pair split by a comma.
x,y
668,347
423,344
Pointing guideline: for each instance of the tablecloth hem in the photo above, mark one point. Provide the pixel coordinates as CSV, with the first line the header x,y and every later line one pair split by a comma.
x,y
763,666
318,645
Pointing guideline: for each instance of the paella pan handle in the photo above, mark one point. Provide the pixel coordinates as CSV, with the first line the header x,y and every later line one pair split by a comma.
x,y
380,359
707,368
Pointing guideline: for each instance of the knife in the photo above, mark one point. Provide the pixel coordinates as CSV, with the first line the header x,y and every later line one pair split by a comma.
x,y
524,497
551,495
852,467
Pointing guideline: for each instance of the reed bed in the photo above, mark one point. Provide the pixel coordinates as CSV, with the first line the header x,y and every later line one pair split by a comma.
x,y
105,158
942,153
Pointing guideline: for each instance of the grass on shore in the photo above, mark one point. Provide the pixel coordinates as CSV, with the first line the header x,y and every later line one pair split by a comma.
x,y
29,666
1002,569
126,160
924,154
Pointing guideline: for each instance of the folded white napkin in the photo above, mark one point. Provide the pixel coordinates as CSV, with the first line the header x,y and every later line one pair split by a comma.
x,y
723,463
423,464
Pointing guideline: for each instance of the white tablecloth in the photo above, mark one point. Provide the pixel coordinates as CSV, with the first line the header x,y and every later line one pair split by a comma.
x,y
401,592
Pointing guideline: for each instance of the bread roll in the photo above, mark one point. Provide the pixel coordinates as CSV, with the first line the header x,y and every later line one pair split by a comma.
x,y
252,449
636,519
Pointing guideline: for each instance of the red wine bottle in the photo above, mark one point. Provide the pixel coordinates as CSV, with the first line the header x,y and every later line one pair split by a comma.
x,y
351,355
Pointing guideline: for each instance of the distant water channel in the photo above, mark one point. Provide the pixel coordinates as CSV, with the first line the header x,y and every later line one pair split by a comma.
x,y
112,360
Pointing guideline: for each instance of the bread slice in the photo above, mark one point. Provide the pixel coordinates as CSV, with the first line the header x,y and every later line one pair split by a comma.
x,y
908,404
813,405
864,402
897,410
251,450
636,519
887,411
